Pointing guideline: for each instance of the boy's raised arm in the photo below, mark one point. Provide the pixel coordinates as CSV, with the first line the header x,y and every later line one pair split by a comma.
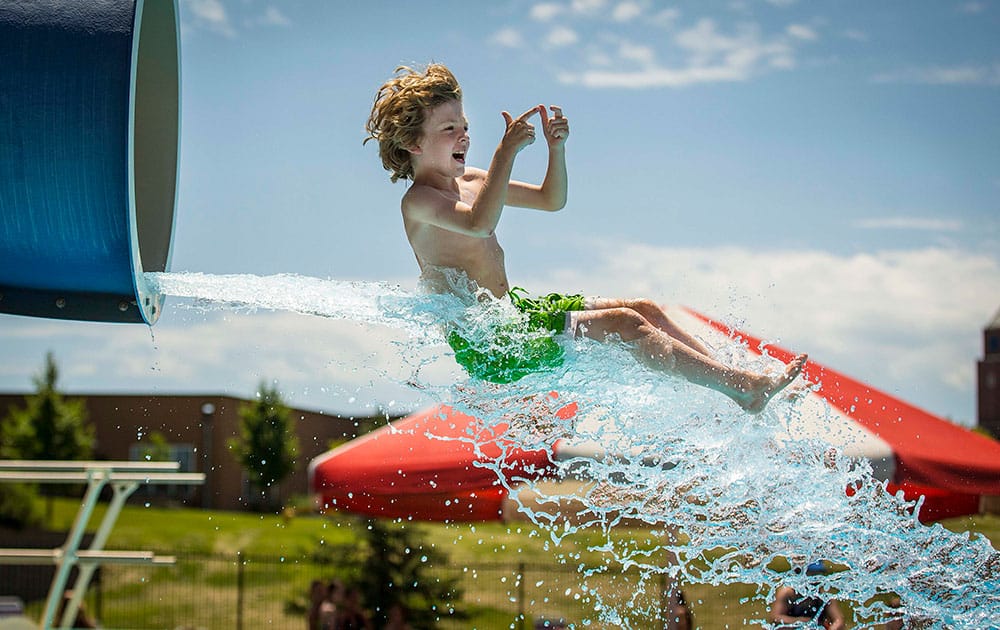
x,y
551,195
427,204
480,219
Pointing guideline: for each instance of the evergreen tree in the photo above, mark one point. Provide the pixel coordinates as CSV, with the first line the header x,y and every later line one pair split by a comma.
x,y
397,570
391,563
19,507
267,446
49,426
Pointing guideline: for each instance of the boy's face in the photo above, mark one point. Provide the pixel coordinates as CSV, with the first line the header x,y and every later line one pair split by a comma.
x,y
444,139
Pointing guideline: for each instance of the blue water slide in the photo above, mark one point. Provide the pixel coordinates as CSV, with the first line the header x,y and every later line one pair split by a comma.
x,y
89,133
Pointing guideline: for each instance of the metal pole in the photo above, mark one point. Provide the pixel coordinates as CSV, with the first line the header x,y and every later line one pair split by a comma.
x,y
665,608
520,595
96,481
99,594
207,413
239,590
122,491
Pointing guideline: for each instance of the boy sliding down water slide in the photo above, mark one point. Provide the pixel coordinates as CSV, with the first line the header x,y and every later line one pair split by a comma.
x,y
451,211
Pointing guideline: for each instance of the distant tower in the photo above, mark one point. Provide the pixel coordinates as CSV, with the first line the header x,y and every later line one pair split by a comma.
x,y
989,378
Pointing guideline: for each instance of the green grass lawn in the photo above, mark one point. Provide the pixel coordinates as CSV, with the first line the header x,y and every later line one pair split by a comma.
x,y
486,555
986,524
208,531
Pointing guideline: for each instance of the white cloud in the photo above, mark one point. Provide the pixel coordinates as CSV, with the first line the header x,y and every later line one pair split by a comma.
x,y
856,35
704,40
587,7
782,62
508,38
274,17
699,52
561,36
545,11
648,78
972,7
739,52
988,75
599,58
626,11
711,56
635,52
210,15
666,18
801,31
909,223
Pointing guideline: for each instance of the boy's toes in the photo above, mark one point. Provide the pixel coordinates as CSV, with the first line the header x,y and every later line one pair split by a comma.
x,y
795,367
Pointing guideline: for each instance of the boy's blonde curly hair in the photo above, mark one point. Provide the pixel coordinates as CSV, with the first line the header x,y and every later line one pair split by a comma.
x,y
400,108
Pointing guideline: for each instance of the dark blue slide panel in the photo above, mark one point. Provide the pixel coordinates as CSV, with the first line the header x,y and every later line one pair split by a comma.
x,y
89,129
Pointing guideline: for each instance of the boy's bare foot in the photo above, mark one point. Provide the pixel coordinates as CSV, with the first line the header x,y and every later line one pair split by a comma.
x,y
756,398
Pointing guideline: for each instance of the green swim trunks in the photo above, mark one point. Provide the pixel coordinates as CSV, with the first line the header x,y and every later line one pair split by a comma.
x,y
519,349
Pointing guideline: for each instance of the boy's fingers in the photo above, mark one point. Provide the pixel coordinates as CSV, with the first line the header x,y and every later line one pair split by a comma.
x,y
528,113
506,117
556,111
544,114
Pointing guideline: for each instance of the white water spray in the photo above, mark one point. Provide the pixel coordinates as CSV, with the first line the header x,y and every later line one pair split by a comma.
x,y
730,495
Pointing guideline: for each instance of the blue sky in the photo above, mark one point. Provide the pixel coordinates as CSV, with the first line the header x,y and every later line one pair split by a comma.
x,y
827,174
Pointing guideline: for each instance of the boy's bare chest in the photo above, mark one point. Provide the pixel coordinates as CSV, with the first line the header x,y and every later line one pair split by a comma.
x,y
441,245
468,191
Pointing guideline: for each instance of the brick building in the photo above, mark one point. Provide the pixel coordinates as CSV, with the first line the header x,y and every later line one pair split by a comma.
x,y
197,429
989,379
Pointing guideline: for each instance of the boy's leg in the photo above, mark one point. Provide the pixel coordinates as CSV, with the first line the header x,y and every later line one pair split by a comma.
x,y
655,315
659,350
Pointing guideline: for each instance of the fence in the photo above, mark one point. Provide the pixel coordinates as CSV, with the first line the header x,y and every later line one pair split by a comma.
x,y
245,591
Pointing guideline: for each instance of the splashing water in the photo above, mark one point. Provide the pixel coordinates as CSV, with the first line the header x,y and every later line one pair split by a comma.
x,y
728,496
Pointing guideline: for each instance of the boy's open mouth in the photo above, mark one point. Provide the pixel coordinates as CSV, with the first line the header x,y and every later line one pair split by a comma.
x,y
459,156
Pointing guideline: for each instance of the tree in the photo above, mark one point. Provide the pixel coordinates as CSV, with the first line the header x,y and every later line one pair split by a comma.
x,y
267,446
397,570
49,426
19,507
392,563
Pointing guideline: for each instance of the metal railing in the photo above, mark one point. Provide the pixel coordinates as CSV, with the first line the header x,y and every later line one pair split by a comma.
x,y
124,478
246,591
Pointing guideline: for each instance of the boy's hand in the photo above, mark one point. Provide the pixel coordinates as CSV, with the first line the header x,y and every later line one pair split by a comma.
x,y
520,133
556,129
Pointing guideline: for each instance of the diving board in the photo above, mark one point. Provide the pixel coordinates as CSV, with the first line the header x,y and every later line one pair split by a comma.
x,y
89,135
124,478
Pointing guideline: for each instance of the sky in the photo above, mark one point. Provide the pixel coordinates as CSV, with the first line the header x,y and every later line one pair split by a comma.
x,y
825,174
